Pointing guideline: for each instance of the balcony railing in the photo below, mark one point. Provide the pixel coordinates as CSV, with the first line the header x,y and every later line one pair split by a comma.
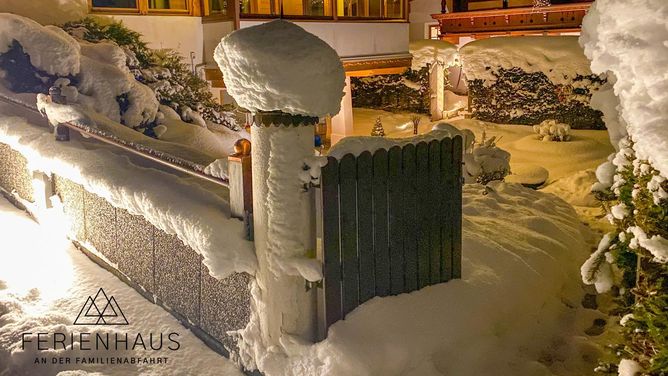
x,y
529,20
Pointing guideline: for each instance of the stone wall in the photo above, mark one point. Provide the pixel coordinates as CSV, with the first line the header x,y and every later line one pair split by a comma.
x,y
153,262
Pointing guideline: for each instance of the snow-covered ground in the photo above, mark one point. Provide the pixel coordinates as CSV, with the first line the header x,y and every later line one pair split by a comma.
x,y
516,311
569,166
44,282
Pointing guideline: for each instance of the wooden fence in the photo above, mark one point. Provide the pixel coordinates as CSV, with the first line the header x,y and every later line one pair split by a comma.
x,y
388,223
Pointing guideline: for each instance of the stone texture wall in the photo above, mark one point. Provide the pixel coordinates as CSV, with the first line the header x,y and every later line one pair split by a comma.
x,y
148,259
14,174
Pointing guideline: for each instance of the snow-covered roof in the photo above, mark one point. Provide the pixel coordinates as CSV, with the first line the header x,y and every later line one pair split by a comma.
x,y
429,51
50,50
628,38
560,58
278,66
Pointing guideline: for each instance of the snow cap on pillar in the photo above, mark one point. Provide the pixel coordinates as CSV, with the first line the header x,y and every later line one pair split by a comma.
x,y
278,66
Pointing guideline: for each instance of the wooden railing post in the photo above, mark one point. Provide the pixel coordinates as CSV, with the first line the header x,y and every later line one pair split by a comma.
x,y
240,177
62,132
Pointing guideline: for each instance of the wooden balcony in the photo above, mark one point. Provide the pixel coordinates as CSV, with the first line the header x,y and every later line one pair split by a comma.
x,y
554,19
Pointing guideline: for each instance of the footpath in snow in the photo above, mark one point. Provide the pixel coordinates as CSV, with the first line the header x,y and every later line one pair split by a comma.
x,y
44,283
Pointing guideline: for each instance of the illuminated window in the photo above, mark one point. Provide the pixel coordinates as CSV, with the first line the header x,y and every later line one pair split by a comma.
x,y
142,6
217,6
168,4
374,9
370,8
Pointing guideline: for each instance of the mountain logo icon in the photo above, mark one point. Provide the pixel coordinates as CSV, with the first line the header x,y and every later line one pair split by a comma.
x,y
101,310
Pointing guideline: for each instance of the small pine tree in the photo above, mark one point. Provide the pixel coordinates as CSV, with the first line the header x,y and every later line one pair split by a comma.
x,y
378,129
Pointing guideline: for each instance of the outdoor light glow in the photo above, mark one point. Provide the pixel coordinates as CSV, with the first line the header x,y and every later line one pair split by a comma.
x,y
46,272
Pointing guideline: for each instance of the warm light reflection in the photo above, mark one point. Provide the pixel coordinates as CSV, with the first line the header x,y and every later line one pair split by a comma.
x,y
38,269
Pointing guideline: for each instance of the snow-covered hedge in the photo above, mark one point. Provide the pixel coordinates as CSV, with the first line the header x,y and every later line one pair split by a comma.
x,y
526,80
407,92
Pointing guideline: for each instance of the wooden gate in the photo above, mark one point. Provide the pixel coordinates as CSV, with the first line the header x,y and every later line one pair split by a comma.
x,y
388,223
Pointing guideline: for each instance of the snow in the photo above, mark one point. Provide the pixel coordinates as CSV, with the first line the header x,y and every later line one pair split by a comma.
x,y
628,38
656,245
512,310
357,144
49,50
50,296
197,216
628,367
560,58
429,52
278,66
100,69
596,270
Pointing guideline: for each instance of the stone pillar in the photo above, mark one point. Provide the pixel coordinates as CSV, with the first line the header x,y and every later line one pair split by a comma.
x,y
342,123
436,92
283,215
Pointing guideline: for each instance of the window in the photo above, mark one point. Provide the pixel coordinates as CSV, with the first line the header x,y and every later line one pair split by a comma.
x,y
374,9
434,31
370,8
168,4
117,4
142,6
217,6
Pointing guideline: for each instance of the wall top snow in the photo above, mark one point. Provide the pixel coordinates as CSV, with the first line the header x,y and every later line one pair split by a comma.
x,y
560,58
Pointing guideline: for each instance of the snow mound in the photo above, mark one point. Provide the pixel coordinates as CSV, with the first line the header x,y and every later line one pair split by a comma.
x,y
278,66
49,50
429,52
199,217
561,58
628,38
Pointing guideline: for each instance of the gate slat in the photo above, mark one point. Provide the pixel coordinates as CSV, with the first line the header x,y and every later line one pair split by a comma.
x,y
435,202
457,152
423,212
396,210
365,226
380,223
349,256
410,218
447,221
329,184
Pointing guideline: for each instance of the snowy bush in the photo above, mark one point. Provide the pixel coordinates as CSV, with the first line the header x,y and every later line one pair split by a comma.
x,y
551,130
486,162
172,82
635,196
